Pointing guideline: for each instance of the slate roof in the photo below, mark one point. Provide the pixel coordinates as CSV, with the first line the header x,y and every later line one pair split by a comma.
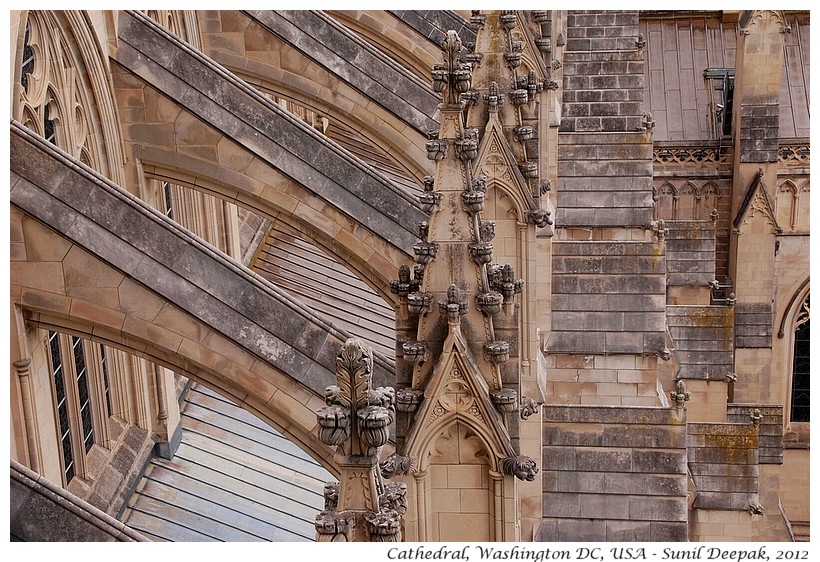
x,y
233,478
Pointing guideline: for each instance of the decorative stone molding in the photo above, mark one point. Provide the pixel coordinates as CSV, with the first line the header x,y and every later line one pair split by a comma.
x,y
794,153
690,156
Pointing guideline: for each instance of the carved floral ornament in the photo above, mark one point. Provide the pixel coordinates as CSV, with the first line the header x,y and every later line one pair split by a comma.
x,y
356,421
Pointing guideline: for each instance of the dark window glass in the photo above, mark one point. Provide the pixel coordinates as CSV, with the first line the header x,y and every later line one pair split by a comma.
x,y
106,379
28,58
82,391
169,206
48,126
801,373
62,404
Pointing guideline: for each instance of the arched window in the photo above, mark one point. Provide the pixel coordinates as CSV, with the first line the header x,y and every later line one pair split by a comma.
x,y
800,367
28,58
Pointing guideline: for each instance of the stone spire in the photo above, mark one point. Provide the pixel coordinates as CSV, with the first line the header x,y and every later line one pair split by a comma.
x,y
458,320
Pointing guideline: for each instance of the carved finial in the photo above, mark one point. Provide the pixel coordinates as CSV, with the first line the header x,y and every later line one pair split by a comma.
x,y
452,77
756,416
714,215
680,396
493,98
404,284
356,422
640,43
659,228
454,307
502,279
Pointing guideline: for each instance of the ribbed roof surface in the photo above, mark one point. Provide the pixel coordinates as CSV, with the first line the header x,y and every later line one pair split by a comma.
x,y
233,478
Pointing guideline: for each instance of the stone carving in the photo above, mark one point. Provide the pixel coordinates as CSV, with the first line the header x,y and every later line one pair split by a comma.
x,y
490,302
640,42
477,19
473,197
508,19
528,407
502,279
756,416
493,98
452,77
356,421
408,399
520,466
335,527
505,400
694,157
414,351
755,509
486,230
419,303
679,396
429,198
425,251
454,307
498,351
481,252
395,465
467,146
659,228
539,217
404,285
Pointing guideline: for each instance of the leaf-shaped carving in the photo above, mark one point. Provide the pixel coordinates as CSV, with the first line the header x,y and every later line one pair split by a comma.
x,y
354,368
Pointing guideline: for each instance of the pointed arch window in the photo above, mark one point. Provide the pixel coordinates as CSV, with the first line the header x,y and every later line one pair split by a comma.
x,y
48,125
82,399
800,411
61,398
28,58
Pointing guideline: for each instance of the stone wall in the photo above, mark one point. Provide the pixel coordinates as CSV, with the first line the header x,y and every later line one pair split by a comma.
x,y
770,432
702,337
614,474
723,463
690,253
608,298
